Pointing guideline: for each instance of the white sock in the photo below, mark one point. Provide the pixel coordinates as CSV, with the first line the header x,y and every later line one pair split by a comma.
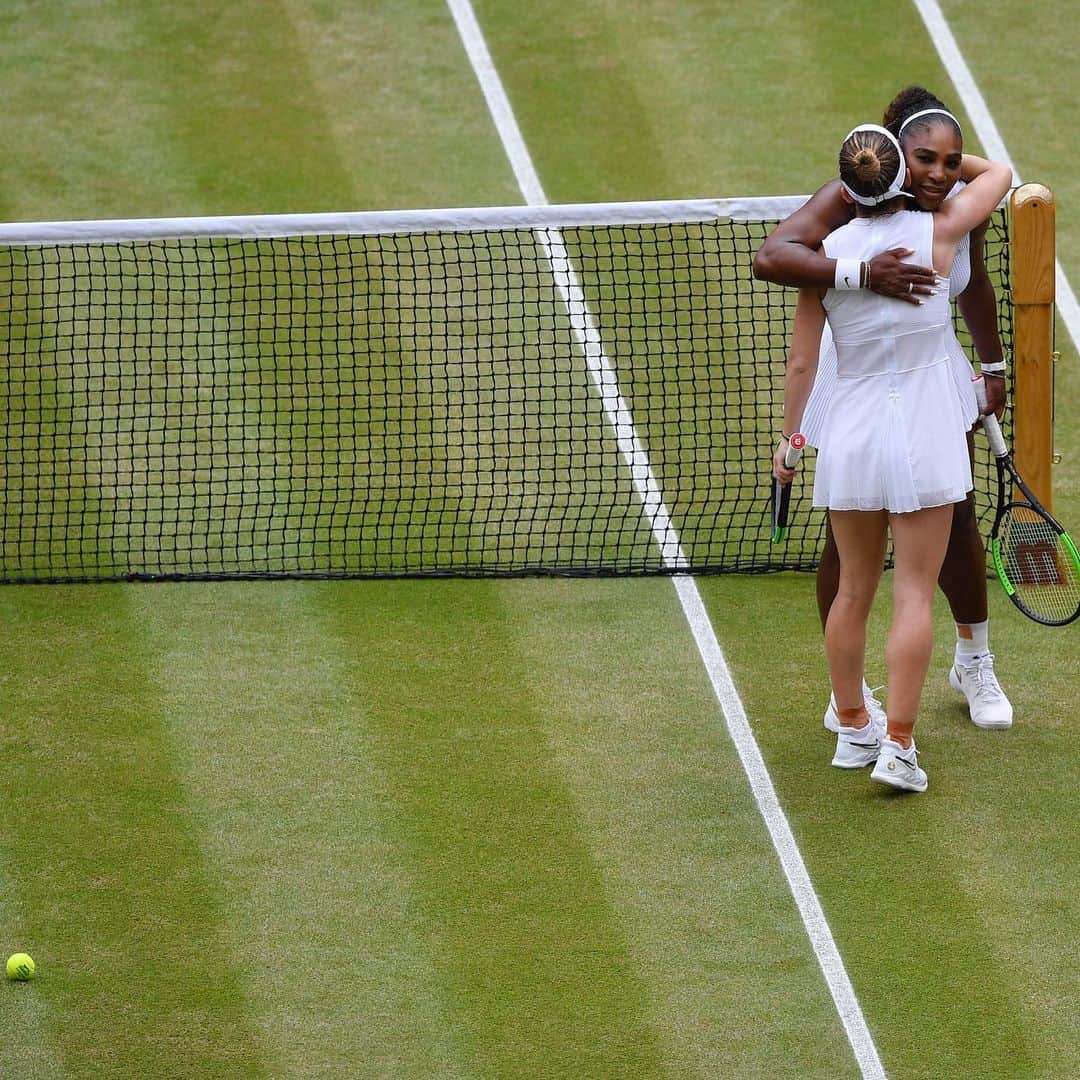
x,y
972,641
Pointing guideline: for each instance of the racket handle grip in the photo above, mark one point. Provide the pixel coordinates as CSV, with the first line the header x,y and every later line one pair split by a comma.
x,y
990,421
795,449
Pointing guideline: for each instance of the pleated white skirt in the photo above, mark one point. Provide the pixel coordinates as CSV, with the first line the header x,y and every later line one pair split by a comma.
x,y
895,441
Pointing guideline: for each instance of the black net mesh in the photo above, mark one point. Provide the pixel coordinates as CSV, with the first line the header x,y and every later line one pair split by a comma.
x,y
399,404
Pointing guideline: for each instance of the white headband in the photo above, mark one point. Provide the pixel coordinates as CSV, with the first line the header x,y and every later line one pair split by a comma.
x,y
898,180
933,112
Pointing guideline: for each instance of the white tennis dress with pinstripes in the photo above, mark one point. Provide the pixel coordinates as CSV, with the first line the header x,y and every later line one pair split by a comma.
x,y
892,435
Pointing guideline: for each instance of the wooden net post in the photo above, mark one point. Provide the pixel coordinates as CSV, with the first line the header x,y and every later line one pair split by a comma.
x,y
1032,264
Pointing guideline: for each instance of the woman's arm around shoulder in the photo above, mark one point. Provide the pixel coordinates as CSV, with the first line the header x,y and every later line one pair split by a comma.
x,y
790,254
987,182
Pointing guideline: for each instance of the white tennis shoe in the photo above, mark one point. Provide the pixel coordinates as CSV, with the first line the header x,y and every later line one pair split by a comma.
x,y
858,747
989,706
831,719
899,768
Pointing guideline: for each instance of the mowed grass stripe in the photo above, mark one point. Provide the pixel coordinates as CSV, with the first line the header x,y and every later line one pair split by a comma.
x,y
693,882
254,108
275,744
644,100
401,105
107,880
1009,827
532,965
242,107
109,86
186,125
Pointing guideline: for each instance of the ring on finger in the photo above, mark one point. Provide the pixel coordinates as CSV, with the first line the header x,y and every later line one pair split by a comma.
x,y
911,286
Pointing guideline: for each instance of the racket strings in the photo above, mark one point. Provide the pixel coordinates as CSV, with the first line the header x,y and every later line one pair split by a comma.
x,y
1040,564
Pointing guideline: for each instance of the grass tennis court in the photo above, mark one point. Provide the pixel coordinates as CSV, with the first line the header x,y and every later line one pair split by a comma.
x,y
498,828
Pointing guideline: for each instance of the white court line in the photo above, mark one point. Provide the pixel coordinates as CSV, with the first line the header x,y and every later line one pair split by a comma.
x,y
942,36
617,414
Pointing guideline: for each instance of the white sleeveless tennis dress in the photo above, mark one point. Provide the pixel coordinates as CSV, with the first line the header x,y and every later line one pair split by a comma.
x,y
894,434
825,379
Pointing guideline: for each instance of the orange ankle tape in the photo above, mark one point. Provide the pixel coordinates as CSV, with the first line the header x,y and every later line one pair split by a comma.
x,y
858,713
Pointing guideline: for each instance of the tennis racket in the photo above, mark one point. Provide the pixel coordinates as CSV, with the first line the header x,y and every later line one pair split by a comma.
x,y
1034,557
781,493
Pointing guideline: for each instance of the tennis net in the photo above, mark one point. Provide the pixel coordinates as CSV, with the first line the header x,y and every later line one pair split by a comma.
x,y
574,389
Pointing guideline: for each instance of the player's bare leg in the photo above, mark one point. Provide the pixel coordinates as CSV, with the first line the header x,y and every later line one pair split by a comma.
x,y
860,539
828,581
919,542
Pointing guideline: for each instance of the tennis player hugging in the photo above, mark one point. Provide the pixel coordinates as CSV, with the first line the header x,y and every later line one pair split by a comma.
x,y
892,444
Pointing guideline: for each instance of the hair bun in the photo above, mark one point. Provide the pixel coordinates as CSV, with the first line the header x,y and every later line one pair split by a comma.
x,y
867,165
868,159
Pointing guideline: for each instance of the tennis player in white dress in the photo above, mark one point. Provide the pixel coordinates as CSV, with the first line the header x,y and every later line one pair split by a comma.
x,y
825,380
932,141
892,438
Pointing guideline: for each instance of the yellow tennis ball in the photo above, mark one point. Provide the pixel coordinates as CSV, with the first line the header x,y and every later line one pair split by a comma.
x,y
20,967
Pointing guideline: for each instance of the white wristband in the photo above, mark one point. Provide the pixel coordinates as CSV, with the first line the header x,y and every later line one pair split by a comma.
x,y
993,369
848,274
